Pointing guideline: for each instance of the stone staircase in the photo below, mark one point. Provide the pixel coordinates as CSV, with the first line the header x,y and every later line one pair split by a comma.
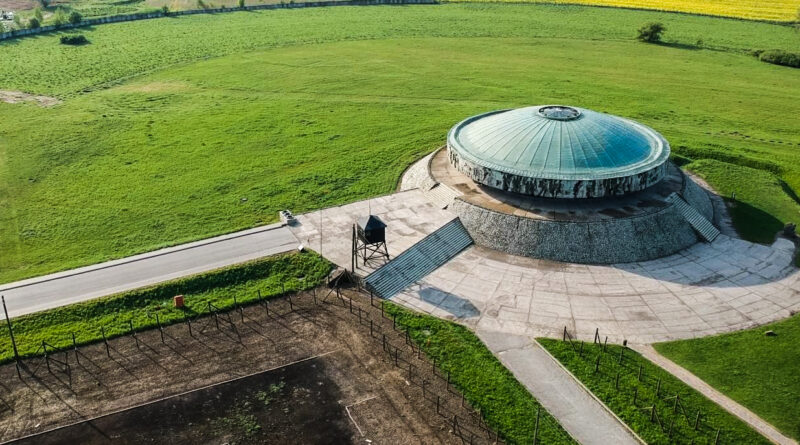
x,y
419,260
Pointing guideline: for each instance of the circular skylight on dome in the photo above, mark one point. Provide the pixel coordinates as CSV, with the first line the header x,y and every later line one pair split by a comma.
x,y
559,112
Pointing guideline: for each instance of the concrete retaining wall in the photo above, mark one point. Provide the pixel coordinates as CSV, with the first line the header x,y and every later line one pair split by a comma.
x,y
159,14
608,241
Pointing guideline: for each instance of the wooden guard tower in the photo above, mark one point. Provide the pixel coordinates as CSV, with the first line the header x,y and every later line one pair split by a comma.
x,y
369,240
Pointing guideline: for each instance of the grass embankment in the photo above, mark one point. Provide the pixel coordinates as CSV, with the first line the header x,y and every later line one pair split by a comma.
x,y
152,147
491,388
759,209
775,10
656,388
758,371
270,276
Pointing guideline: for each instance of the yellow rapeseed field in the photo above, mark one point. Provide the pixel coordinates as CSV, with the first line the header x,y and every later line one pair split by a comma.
x,y
777,10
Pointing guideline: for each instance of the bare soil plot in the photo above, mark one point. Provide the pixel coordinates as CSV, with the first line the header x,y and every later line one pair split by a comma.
x,y
299,372
15,97
17,5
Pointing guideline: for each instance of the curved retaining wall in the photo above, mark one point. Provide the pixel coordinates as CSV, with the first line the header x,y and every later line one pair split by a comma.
x,y
159,14
620,240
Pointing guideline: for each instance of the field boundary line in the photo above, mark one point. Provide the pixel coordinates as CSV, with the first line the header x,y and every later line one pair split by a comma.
x,y
347,408
161,399
741,412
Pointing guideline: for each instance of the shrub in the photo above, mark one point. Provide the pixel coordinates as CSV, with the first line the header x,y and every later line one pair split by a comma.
x,y
75,17
60,17
74,39
241,3
37,14
651,32
34,23
780,57
165,9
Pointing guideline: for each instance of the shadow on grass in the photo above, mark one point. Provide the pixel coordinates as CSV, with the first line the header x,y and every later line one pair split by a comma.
x,y
754,224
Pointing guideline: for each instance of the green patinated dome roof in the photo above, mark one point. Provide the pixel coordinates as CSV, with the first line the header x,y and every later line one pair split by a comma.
x,y
558,142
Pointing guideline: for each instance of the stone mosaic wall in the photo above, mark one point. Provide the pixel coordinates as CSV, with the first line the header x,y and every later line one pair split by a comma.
x,y
556,188
620,240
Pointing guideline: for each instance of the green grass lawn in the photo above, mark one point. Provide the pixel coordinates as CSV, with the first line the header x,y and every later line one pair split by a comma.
x,y
181,128
268,277
671,423
758,371
506,405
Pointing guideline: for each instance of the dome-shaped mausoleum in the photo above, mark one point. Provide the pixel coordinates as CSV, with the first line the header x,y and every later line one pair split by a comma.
x,y
568,184
556,151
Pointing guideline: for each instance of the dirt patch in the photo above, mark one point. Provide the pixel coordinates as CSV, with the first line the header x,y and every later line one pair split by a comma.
x,y
17,5
15,97
312,370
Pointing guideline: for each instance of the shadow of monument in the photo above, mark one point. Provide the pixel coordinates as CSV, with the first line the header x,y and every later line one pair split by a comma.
x,y
455,305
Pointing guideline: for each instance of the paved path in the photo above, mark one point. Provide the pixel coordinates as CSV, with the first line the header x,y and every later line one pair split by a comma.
x,y
720,399
585,418
82,284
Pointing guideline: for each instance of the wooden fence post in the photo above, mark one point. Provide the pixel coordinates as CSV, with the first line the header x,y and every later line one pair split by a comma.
x,y
105,340
75,348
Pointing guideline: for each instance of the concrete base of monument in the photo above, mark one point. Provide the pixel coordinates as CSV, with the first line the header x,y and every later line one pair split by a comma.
x,y
636,227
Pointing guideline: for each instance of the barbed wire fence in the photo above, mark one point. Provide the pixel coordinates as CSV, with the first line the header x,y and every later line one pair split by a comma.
x,y
421,372
666,408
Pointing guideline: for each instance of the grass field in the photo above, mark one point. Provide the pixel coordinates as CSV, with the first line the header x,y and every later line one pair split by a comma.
x,y
776,10
758,371
176,129
507,407
641,385
268,277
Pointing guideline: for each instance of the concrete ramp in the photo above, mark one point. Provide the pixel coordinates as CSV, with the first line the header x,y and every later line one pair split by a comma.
x,y
701,225
419,260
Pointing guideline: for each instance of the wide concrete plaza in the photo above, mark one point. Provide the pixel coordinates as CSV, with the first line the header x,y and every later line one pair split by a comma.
x,y
723,286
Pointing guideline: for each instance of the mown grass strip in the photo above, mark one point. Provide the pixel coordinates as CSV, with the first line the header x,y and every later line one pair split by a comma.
x,y
271,276
757,370
632,386
504,402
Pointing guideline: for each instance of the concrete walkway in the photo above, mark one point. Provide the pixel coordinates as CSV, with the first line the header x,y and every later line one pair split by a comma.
x,y
733,407
46,292
585,418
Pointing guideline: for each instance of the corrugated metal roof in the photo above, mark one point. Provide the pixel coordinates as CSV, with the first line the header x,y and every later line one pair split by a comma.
x,y
558,142
420,259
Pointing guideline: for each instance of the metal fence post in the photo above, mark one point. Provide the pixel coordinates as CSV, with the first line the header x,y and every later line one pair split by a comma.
x,y
536,428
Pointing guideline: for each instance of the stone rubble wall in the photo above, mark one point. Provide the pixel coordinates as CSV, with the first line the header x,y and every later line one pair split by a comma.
x,y
159,14
697,197
556,188
608,241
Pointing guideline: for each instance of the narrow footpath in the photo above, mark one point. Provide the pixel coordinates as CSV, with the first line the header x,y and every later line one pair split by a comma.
x,y
585,418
